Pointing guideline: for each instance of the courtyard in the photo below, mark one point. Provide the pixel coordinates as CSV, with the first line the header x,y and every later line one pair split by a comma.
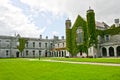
x,y
35,69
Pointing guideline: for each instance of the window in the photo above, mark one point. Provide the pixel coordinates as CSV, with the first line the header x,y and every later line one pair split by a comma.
x,y
107,37
45,45
63,44
7,41
40,44
6,52
27,52
58,45
51,45
33,44
26,44
33,52
79,37
39,52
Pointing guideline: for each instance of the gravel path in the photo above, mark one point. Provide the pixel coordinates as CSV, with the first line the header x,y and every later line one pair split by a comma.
x,y
91,63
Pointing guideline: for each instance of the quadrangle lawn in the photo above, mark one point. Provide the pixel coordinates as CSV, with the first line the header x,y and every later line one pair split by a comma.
x,y
98,60
22,69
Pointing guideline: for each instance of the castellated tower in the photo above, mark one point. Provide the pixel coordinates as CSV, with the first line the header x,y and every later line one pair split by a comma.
x,y
68,24
91,27
117,24
68,35
91,21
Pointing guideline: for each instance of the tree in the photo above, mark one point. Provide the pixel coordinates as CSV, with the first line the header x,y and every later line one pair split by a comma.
x,y
21,45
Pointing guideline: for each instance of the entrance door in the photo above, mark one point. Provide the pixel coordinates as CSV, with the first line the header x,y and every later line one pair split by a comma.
x,y
118,51
111,51
17,54
104,51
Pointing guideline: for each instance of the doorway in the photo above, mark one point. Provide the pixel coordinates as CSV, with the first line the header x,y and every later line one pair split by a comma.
x,y
111,51
17,54
118,51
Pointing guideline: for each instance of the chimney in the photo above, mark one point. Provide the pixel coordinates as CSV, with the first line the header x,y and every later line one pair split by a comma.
x,y
40,36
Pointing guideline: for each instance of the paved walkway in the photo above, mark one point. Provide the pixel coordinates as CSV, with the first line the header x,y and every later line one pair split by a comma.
x,y
91,63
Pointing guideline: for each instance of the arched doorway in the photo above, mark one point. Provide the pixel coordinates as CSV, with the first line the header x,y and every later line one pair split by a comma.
x,y
104,51
111,51
17,54
118,51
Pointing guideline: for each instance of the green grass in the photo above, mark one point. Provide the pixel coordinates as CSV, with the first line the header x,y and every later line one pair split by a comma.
x,y
100,60
23,69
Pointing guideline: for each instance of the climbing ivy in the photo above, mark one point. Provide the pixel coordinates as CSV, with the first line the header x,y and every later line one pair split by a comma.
x,y
111,31
68,40
21,45
71,36
91,28
90,34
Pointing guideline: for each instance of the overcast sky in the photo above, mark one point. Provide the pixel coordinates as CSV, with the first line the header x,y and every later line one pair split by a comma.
x,y
30,18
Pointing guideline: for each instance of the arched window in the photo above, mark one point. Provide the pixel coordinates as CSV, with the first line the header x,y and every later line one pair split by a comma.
x,y
79,37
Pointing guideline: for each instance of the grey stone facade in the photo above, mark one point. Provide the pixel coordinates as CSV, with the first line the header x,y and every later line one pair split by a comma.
x,y
34,47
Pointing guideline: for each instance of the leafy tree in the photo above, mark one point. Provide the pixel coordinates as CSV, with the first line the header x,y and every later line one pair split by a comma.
x,y
21,45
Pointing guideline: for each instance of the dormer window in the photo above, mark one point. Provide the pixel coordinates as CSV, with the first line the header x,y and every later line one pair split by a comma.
x,y
107,37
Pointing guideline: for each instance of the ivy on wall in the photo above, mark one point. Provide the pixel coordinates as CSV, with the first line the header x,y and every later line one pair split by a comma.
x,y
21,45
111,31
90,34
68,40
71,36
91,28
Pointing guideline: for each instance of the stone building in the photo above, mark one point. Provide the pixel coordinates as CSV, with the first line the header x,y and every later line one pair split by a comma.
x,y
109,46
34,47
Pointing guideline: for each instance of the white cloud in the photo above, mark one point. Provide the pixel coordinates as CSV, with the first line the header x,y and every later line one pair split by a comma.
x,y
106,10
12,20
55,33
60,7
